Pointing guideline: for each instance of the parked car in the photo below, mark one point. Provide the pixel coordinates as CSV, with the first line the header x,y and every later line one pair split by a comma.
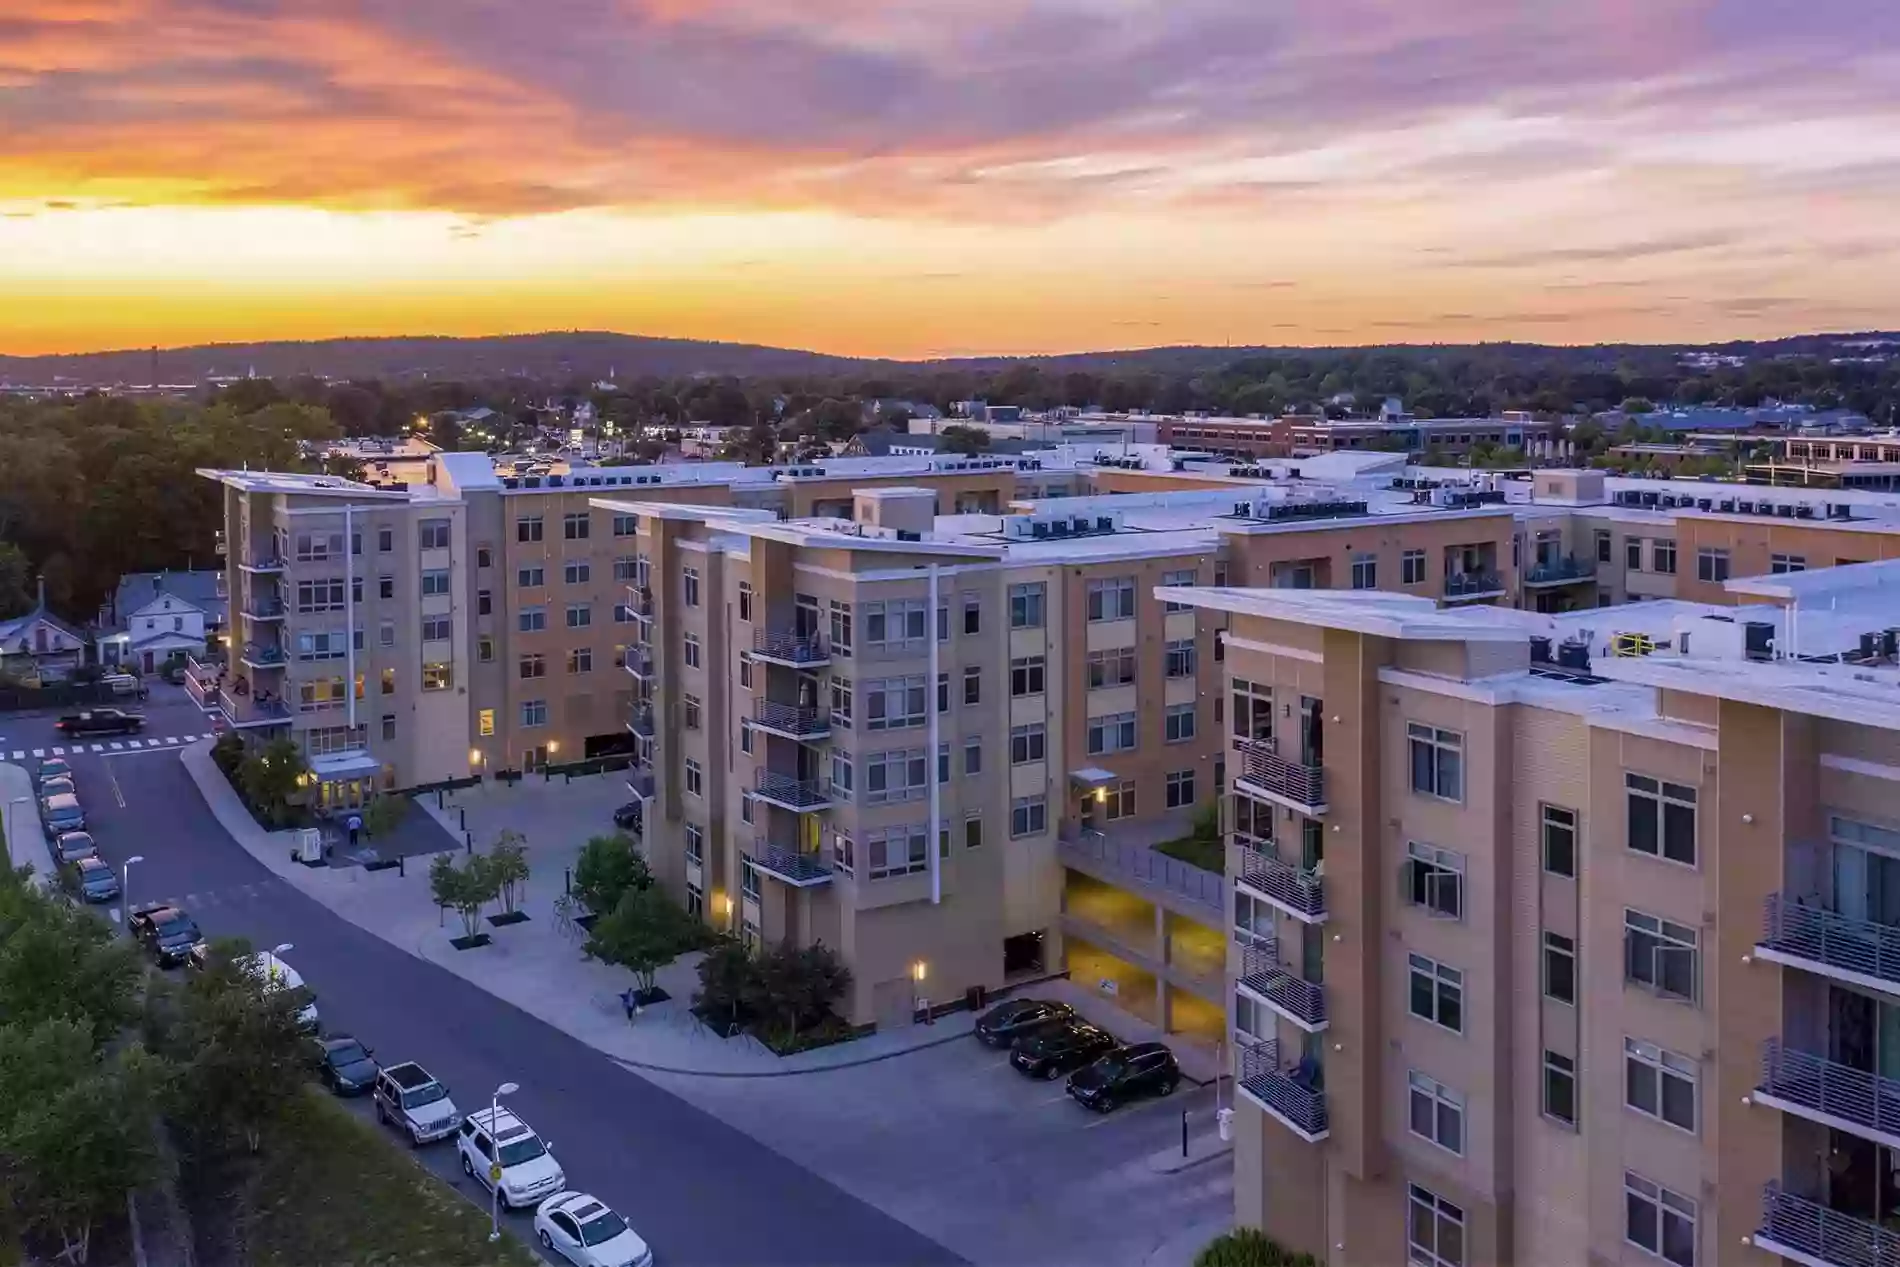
x,y
581,1229
1006,1022
71,846
61,814
124,684
268,968
1134,1070
1052,1052
59,786
101,721
528,1170
627,817
55,768
167,933
408,1097
345,1065
98,882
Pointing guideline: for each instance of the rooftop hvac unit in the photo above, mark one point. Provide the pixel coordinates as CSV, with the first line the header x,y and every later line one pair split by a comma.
x,y
1704,503
1243,510
905,534
1079,524
1758,639
1104,523
533,481
555,481
1573,655
1784,512
1540,649
1728,506
1040,530
1804,511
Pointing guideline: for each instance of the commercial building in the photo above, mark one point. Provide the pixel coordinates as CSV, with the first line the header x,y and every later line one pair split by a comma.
x,y
1566,938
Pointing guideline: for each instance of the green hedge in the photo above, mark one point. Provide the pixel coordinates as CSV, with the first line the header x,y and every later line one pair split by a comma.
x,y
1249,1247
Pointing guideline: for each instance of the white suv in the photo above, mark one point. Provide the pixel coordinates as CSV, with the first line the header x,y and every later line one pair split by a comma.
x,y
500,1142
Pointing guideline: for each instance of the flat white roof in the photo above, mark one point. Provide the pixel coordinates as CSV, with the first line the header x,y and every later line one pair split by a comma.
x,y
1375,612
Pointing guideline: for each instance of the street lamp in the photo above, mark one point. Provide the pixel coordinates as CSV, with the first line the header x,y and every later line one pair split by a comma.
x,y
494,1163
18,800
125,883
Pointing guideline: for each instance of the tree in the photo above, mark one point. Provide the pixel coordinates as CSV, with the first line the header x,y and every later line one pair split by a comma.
x,y
16,589
1249,1247
59,963
465,889
725,983
957,438
607,868
508,867
272,776
642,934
794,988
384,814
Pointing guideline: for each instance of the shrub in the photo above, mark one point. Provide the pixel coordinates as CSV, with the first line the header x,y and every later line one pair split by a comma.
x,y
508,867
1249,1247
794,989
606,869
228,753
725,977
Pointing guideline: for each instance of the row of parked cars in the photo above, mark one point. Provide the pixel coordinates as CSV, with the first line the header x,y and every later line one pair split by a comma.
x,y
1047,1039
63,819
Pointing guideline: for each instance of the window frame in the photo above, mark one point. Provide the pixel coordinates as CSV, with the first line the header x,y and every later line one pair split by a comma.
x,y
1428,871
1667,935
1656,1066
1661,796
1638,1189
1438,742
1440,977
1442,1103
1548,827
1549,957
1558,1067
1421,1201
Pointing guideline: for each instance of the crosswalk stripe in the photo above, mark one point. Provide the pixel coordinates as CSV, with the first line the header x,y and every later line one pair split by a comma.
x,y
116,746
59,752
39,752
18,755
171,739
98,747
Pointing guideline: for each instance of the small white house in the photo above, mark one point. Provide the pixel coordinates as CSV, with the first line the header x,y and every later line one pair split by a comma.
x,y
40,641
156,615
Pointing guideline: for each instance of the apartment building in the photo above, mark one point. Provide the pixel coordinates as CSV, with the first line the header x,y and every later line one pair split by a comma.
x,y
1566,938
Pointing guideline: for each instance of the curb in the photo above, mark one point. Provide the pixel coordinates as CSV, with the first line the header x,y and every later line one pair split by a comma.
x,y
1170,1162
642,1067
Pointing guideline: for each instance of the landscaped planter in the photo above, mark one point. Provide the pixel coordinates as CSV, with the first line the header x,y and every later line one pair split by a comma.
x,y
470,943
508,917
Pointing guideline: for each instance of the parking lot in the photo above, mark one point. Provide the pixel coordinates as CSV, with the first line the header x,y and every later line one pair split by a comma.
x,y
998,1167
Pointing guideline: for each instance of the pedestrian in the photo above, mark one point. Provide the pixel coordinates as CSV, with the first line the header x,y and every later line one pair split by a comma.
x,y
355,825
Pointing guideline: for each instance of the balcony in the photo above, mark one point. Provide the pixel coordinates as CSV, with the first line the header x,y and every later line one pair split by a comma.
x,y
1132,862
1828,1092
1279,988
640,601
262,564
799,869
260,657
1291,889
790,721
264,609
1567,571
801,796
1856,951
793,650
640,782
640,663
247,712
1468,587
1293,1096
1266,775
640,720
1805,1231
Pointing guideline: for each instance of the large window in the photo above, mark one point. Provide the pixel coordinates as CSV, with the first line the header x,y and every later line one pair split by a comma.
x,y
1028,743
580,615
1662,557
1781,564
1434,1229
1435,880
897,625
1112,599
1560,968
1412,567
1115,667
1112,733
895,851
690,647
1660,955
437,629
901,775
689,586
1118,801
1438,761
574,525
1025,606
842,695
1179,659
1711,564
437,677
1437,993
580,660
432,534
1028,816
840,628
1365,571
529,578
1560,841
1659,1084
528,528
1180,785
1659,1221
1176,580
1436,1112
896,703
1026,676
1560,1088
695,778
1179,723
577,572
320,596
1661,818
534,712
626,525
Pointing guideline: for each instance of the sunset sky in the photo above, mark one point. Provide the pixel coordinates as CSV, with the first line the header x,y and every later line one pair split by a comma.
x,y
948,177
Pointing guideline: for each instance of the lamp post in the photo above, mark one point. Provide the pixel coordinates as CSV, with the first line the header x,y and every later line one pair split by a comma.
x,y
18,800
125,884
494,1178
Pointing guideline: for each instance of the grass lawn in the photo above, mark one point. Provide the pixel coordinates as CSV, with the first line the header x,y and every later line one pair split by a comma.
x,y
337,1191
1197,851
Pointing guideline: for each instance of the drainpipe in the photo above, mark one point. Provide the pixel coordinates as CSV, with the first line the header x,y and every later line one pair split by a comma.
x,y
349,607
936,788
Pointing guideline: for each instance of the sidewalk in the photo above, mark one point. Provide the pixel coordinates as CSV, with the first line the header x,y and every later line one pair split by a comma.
x,y
25,841
532,965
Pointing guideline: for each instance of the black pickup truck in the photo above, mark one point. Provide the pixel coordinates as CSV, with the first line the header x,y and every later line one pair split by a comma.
x,y
101,721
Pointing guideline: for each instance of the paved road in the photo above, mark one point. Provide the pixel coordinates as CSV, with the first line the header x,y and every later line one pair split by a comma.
x,y
700,1191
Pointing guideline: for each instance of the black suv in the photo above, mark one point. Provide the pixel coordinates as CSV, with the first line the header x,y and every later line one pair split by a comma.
x,y
167,933
1052,1052
1137,1069
1006,1022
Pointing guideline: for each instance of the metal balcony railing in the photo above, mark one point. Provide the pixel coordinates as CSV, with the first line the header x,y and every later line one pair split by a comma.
x,y
1824,1086
248,710
1296,1095
783,646
1822,940
793,866
256,655
1473,584
264,608
797,721
1296,890
1263,768
640,662
1301,1001
1563,571
1093,850
263,563
792,793
1815,1233
640,782
640,720
640,599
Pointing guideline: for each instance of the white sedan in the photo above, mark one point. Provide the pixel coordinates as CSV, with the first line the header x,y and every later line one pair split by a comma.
x,y
584,1231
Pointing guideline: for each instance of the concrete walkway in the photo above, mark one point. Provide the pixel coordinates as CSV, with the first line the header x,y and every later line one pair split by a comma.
x,y
537,966
25,842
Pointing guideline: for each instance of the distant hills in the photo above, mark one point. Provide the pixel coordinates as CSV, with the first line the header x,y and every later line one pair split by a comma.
x,y
597,354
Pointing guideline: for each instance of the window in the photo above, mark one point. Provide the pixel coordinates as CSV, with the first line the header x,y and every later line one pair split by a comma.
x,y
690,709
1028,816
386,633
695,778
1435,880
1027,743
386,539
1412,567
1438,993
437,629
1026,676
973,684
1659,1084
1434,1229
320,596
435,582
689,581
533,666
1438,761
972,614
534,712
1114,667
315,547
623,614
389,727
1436,1112
1180,788
580,615
1781,564
485,722
1112,599
432,534
387,679
695,843
580,660
1660,955
1560,1088
1603,545
1560,841
1711,564
896,703
901,775
691,651
532,619
841,701
484,603
623,568
528,528
1560,968
485,649
575,572
1025,606
1180,723
529,578
745,600
321,646
1659,1221
1661,818
1662,557
1118,801
745,738
895,851
745,670
386,587
1113,733
1180,658
973,832
840,628
484,557
943,692
1176,580
842,775
356,593
574,525
1365,571
897,625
